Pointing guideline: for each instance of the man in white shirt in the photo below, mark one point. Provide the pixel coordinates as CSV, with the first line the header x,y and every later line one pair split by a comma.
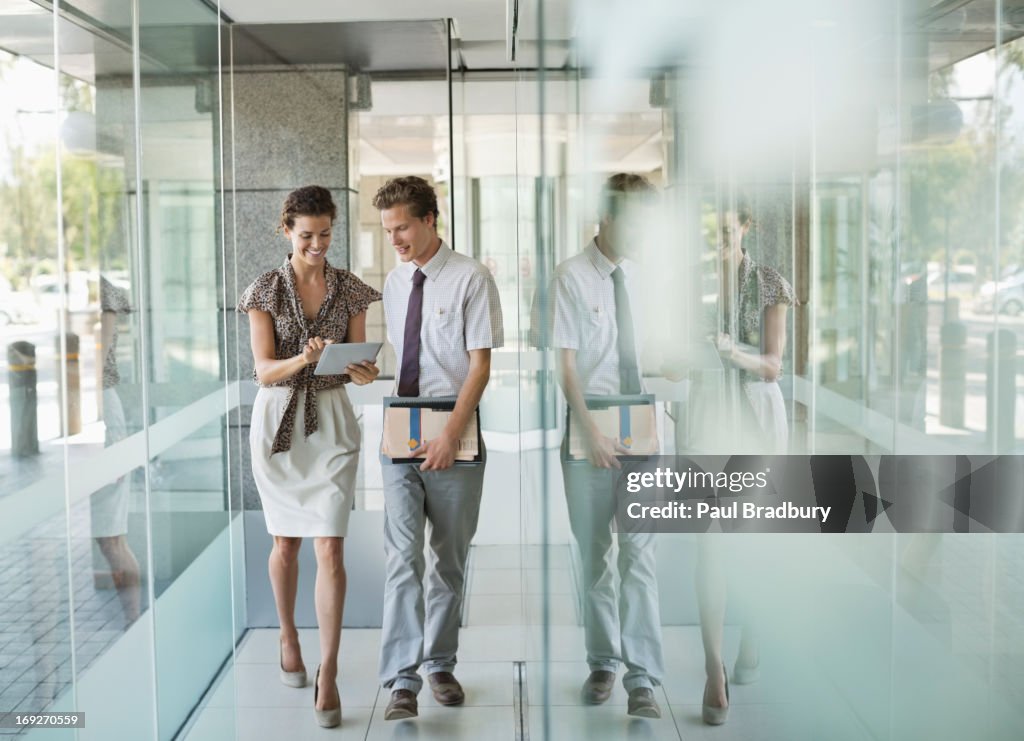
x,y
595,339
443,318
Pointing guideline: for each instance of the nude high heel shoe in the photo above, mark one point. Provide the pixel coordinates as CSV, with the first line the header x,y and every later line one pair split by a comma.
x,y
290,679
711,715
326,718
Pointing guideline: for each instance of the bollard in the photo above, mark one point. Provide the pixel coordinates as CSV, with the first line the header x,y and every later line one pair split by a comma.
x,y
70,419
1001,389
952,373
951,309
21,375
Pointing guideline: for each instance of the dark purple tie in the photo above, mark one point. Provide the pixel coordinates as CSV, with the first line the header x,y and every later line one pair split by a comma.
x,y
409,377
629,373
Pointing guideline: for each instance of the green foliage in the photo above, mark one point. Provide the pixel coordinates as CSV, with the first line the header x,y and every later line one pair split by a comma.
x,y
953,187
92,200
91,194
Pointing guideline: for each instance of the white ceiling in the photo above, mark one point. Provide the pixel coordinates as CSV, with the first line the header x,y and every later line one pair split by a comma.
x,y
479,24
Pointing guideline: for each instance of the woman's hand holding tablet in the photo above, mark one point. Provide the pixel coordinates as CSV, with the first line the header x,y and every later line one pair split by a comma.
x,y
354,358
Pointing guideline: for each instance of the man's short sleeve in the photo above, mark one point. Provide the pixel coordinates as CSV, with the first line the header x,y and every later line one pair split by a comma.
x,y
482,313
565,316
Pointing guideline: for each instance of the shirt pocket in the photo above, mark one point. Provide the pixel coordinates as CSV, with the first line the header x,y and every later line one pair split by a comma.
x,y
445,326
598,329
597,316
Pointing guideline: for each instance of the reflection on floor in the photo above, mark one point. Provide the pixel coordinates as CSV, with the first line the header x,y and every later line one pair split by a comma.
x,y
250,703
864,638
503,617
35,635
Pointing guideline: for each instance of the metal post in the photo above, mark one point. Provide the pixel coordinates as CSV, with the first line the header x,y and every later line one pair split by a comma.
x,y
952,373
21,375
71,418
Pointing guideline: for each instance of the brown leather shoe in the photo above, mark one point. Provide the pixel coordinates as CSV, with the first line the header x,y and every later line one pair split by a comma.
x,y
598,687
403,705
643,704
446,688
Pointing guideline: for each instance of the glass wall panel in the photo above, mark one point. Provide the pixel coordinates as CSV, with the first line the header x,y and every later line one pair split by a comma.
x,y
128,338
176,199
834,271
36,654
789,235
110,528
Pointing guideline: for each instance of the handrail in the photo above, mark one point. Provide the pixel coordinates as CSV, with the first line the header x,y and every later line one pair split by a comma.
x,y
42,499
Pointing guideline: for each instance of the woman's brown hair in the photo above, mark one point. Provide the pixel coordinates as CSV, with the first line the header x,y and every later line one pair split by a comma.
x,y
309,200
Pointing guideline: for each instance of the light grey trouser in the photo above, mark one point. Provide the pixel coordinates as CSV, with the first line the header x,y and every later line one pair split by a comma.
x,y
450,501
624,627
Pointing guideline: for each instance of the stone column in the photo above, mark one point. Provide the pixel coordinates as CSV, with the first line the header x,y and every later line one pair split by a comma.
x,y
286,127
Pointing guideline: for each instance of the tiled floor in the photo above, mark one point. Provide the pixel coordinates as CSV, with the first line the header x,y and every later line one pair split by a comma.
x,y
251,701
796,699
501,628
35,632
962,609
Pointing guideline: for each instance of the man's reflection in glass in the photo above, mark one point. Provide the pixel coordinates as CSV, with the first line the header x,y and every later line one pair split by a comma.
x,y
595,299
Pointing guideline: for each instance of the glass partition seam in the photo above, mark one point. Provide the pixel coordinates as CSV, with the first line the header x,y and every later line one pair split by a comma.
x,y
996,367
992,615
345,155
865,293
543,218
451,135
519,401
897,226
793,322
893,618
897,243
225,348
814,239
144,344
234,263
62,334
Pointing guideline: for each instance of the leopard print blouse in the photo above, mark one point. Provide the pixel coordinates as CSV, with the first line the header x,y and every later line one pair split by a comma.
x,y
275,292
113,300
759,287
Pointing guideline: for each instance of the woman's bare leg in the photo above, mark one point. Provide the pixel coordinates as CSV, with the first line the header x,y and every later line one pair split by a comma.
x,y
124,571
331,583
711,595
284,579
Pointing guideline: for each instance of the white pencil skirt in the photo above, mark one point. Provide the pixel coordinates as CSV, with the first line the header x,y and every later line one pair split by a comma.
x,y
770,409
306,491
108,507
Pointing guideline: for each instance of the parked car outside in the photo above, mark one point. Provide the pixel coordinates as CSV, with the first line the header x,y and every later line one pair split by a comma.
x,y
1004,297
16,307
961,284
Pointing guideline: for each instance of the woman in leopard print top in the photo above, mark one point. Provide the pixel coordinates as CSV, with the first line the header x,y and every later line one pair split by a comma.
x,y
306,478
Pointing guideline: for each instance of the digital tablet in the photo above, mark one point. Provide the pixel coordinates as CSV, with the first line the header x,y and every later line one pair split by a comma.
x,y
339,355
